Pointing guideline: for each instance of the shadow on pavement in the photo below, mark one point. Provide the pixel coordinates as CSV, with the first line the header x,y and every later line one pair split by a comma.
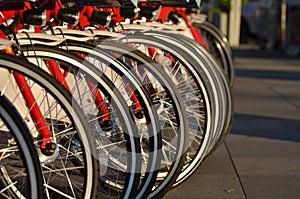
x,y
266,127
268,74
263,54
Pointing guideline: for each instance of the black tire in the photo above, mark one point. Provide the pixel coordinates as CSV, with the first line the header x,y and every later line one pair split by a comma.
x,y
151,67
188,68
78,67
82,132
23,175
155,138
209,73
220,46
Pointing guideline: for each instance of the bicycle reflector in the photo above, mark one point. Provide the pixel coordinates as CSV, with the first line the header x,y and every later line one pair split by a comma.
x,y
35,17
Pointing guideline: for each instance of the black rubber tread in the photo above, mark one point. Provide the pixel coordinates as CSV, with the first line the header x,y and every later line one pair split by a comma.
x,y
62,96
23,140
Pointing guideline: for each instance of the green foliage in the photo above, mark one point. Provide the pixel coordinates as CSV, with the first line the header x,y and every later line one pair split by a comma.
x,y
224,5
244,2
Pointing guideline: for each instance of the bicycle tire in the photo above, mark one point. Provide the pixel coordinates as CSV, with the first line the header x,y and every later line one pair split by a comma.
x,y
220,40
225,95
73,62
189,59
19,141
163,45
35,74
224,88
159,73
153,68
199,54
155,152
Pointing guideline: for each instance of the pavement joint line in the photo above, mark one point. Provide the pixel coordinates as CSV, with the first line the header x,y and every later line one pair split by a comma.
x,y
277,93
280,95
235,170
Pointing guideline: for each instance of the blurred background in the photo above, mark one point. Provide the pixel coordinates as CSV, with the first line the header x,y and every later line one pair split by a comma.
x,y
268,24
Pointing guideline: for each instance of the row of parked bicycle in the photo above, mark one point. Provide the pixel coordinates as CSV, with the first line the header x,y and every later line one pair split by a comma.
x,y
109,99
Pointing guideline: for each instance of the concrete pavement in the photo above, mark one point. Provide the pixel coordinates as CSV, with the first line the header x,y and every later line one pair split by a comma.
x,y
261,156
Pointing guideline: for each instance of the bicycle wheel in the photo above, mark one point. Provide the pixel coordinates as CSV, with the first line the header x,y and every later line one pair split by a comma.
x,y
21,175
219,34
208,61
219,47
225,105
203,74
70,133
155,79
165,99
147,120
197,54
224,89
161,97
200,55
190,92
119,143
175,134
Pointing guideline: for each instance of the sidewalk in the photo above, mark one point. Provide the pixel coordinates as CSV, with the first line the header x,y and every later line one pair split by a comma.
x,y
261,155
